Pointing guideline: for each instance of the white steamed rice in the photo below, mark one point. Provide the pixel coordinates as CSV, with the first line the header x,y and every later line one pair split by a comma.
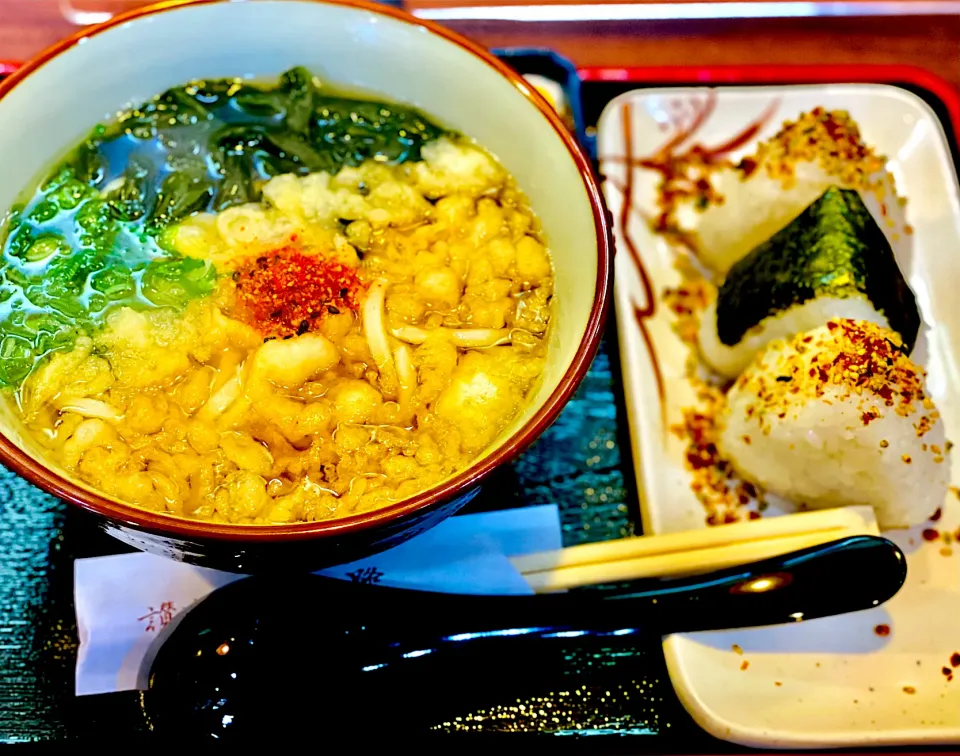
x,y
838,417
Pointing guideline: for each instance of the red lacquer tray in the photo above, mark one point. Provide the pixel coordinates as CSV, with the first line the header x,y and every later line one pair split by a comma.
x,y
599,85
942,95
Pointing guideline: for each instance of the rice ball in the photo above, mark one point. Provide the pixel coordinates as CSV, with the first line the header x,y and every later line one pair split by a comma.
x,y
839,416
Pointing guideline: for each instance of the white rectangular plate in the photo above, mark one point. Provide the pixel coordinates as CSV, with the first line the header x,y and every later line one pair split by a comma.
x,y
830,682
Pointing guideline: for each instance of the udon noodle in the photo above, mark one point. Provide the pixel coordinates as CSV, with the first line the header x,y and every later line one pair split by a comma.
x,y
233,317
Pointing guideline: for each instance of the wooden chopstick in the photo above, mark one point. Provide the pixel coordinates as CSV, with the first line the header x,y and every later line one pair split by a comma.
x,y
690,551
689,540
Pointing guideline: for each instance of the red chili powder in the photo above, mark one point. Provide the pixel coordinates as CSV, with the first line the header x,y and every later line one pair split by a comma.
x,y
287,292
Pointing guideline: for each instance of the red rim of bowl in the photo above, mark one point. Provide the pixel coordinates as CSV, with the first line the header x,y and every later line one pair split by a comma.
x,y
169,525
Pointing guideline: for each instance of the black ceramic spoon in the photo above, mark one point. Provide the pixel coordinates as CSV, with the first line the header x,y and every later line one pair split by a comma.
x,y
236,662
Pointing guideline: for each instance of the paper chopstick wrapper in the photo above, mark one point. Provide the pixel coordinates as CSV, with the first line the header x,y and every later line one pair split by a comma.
x,y
124,601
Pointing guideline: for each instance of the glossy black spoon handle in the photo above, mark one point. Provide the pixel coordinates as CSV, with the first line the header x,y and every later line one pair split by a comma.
x,y
842,576
223,669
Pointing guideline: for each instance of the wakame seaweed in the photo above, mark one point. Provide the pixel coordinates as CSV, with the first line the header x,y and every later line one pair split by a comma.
x,y
246,134
90,236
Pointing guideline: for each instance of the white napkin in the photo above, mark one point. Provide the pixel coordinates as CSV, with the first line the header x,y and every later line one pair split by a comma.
x,y
123,601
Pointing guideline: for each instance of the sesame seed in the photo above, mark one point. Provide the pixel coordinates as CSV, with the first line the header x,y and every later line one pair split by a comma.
x,y
854,360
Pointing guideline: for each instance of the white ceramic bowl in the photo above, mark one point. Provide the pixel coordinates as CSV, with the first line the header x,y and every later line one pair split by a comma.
x,y
52,102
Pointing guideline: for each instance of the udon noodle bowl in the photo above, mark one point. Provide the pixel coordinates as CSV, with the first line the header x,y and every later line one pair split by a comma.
x,y
256,305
